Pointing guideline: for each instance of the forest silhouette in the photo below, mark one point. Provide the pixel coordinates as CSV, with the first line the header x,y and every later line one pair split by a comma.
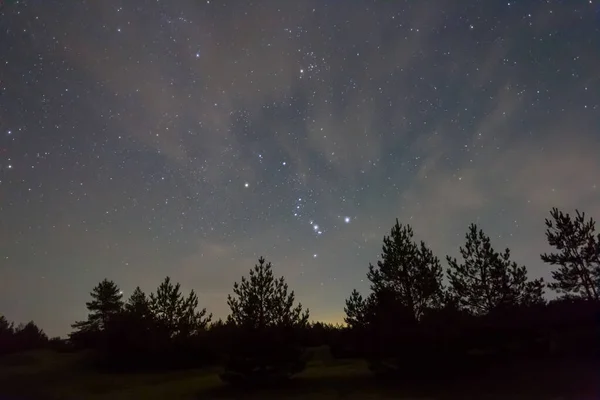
x,y
420,322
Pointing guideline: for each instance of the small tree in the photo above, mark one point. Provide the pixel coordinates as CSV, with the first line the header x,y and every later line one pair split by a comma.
x,y
487,280
29,336
138,304
105,305
192,321
7,332
356,310
578,255
261,301
176,315
165,306
266,341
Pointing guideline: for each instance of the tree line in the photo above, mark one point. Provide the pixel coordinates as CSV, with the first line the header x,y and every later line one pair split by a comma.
x,y
413,321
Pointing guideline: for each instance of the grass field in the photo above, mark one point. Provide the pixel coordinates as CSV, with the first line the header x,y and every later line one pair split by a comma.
x,y
49,375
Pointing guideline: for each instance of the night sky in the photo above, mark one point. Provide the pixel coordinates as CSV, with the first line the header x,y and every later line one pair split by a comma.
x,y
140,139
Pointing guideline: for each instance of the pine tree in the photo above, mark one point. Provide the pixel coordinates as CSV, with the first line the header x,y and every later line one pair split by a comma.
x,y
356,310
106,303
7,332
487,280
129,338
578,256
265,343
29,336
165,305
6,327
138,304
262,301
176,315
191,320
409,271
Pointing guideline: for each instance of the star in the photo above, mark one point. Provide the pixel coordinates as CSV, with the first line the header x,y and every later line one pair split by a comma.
x,y
151,153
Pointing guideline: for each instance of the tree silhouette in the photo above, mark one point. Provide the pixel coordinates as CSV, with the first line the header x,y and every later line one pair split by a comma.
x,y
406,284
30,336
165,305
106,303
129,335
6,327
409,270
262,301
7,331
176,315
356,310
578,255
137,320
138,304
487,280
266,341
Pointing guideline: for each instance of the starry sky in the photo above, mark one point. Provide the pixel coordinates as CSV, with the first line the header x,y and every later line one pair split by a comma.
x,y
146,138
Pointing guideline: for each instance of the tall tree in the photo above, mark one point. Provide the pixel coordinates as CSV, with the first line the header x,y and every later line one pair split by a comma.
x,y
106,303
487,279
578,255
409,271
263,301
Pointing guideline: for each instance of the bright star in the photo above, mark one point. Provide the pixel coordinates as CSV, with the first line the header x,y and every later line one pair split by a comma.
x,y
246,184
347,220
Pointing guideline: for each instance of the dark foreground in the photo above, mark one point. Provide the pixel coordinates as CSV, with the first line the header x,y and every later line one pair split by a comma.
x,y
50,375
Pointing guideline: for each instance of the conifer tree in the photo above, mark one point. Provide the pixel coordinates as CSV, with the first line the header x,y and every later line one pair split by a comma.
x,y
577,256
7,332
356,310
191,320
138,304
106,303
165,305
176,315
265,343
30,336
407,271
6,327
486,279
262,301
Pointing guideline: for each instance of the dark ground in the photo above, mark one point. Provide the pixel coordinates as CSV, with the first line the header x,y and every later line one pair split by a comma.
x,y
50,375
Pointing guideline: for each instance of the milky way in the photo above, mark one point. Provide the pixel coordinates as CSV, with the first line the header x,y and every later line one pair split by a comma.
x,y
140,139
